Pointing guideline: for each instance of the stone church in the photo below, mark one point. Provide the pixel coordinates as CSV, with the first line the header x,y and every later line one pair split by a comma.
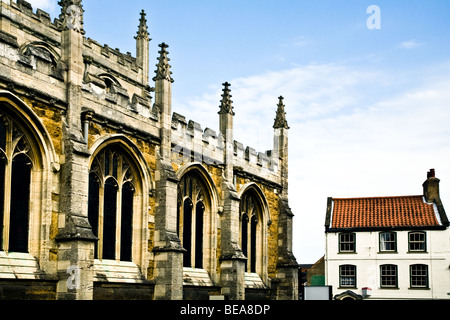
x,y
106,193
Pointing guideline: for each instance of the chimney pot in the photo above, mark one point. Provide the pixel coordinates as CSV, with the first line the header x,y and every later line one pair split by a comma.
x,y
431,187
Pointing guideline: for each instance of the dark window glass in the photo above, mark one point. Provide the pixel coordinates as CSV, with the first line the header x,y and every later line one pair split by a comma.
x,y
187,232
2,198
244,237
199,210
20,199
3,129
109,219
93,204
253,245
127,222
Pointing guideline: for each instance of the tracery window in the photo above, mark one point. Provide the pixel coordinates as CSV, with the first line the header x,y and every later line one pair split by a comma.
x,y
250,213
16,167
110,204
191,217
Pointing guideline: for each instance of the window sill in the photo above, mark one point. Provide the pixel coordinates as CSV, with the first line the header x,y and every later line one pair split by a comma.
x,y
254,281
117,271
14,265
196,277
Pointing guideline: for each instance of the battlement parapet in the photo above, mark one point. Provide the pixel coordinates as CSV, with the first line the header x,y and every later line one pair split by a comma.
x,y
190,142
21,12
101,60
110,58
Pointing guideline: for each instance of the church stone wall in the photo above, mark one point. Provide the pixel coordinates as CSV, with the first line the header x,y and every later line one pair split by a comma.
x,y
89,97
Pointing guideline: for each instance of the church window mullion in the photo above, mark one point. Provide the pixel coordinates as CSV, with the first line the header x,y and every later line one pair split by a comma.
x,y
15,183
111,212
249,232
19,210
187,231
191,214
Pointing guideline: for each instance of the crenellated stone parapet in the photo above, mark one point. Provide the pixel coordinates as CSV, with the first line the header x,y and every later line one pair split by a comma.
x,y
190,142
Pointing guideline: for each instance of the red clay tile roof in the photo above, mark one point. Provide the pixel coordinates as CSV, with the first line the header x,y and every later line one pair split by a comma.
x,y
404,211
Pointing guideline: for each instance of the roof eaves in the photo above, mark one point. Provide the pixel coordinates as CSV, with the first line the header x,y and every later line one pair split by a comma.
x,y
442,216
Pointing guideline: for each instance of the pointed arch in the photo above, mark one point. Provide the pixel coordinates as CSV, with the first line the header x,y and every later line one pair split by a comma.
x,y
109,81
253,187
254,222
134,152
204,174
28,163
18,108
55,57
119,188
197,207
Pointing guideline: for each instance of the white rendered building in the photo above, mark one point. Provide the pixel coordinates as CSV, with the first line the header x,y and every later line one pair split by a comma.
x,y
388,247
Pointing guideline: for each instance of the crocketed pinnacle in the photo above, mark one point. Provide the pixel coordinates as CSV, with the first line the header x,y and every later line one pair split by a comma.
x,y
143,29
163,67
280,119
226,103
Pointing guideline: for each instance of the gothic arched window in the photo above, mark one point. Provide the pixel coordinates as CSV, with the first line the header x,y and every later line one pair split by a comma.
x,y
250,219
191,215
110,204
16,167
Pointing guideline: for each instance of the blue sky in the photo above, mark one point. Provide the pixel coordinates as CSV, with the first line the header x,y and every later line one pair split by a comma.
x,y
368,109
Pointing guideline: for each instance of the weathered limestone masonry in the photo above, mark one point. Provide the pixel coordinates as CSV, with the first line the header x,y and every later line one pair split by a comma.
x,y
120,197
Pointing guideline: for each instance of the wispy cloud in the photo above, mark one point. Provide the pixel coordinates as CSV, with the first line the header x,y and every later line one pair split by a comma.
x,y
299,42
410,44
311,91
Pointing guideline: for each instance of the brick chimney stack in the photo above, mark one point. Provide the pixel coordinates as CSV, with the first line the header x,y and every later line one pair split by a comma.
x,y
431,187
